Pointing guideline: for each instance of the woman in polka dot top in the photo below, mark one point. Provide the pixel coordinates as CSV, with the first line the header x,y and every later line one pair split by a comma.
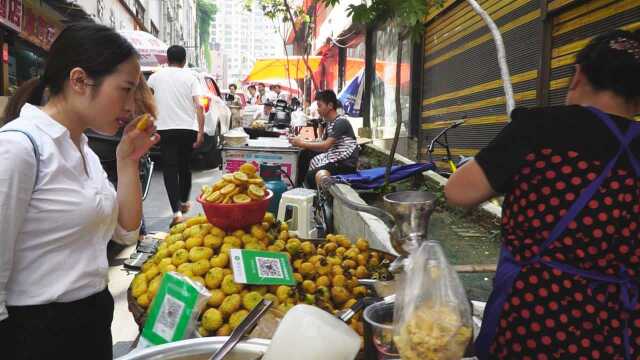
x,y
568,277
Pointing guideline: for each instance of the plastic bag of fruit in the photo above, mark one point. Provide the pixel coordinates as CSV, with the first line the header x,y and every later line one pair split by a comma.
x,y
432,317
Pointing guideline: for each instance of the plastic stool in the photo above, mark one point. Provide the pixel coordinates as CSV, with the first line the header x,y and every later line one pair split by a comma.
x,y
301,223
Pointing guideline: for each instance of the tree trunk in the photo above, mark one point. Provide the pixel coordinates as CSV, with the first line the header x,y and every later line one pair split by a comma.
x,y
502,55
396,136
295,35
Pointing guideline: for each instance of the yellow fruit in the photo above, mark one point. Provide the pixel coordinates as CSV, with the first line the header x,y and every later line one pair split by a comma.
x,y
153,287
251,299
283,293
143,122
237,317
212,241
228,189
359,291
225,330
220,261
253,246
323,281
307,269
185,267
308,248
269,218
214,197
233,240
362,245
227,271
258,182
152,271
180,257
167,268
216,298
178,228
248,239
272,298
213,278
164,253
240,177
198,279
216,231
139,285
143,300
241,199
212,319
230,304
298,277
339,280
229,286
256,192
248,169
349,264
200,267
309,286
258,232
339,295
362,272
200,253
284,227
176,246
224,249
193,242
146,266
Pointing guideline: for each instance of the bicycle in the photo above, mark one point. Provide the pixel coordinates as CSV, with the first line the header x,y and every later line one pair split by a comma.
x,y
448,157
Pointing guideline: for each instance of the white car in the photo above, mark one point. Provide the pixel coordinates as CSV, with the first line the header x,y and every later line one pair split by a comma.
x,y
217,122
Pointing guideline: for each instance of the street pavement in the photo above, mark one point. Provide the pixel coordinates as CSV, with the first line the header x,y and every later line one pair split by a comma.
x,y
158,217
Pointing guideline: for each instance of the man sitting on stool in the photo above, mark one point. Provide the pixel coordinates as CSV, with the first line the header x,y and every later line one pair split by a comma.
x,y
337,152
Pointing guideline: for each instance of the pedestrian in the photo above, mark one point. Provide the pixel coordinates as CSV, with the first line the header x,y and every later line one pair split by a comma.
x,y
58,208
338,150
235,105
261,93
180,123
253,95
567,280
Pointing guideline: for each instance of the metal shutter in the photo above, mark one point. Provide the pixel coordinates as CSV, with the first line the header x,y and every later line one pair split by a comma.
x,y
572,30
461,78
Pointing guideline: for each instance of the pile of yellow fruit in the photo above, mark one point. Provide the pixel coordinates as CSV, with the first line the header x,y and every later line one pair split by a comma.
x,y
326,273
241,187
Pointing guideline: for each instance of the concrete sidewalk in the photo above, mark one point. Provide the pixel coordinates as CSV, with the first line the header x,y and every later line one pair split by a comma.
x,y
158,216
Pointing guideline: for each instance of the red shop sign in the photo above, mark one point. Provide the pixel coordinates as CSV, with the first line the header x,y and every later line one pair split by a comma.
x,y
11,13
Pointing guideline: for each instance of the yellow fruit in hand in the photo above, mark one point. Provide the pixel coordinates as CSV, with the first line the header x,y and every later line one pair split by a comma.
x,y
212,241
200,267
229,286
212,319
237,317
220,261
216,298
200,253
251,299
214,277
230,304
143,122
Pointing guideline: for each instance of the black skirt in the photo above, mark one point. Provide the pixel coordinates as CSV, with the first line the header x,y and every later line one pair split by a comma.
x,y
75,330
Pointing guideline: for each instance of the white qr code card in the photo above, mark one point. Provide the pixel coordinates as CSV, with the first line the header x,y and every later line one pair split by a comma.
x,y
261,267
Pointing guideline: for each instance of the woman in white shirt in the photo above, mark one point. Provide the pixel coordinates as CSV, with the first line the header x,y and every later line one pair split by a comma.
x,y
58,210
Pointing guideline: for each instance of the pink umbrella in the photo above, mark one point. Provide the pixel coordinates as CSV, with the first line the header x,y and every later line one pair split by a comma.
x,y
153,52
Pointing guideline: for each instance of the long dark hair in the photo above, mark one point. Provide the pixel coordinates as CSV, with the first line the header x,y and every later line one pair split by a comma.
x,y
95,48
611,61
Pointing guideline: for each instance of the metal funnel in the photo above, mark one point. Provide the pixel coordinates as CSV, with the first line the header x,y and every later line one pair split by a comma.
x,y
411,211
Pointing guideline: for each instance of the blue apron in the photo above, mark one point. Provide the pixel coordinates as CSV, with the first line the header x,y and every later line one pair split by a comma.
x,y
509,268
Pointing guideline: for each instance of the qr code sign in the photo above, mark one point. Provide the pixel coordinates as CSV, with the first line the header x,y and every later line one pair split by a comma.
x,y
168,317
269,268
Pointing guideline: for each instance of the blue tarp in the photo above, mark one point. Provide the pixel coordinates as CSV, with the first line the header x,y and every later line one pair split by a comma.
x,y
374,178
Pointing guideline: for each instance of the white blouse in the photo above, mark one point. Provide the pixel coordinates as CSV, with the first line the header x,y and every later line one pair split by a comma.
x,y
53,240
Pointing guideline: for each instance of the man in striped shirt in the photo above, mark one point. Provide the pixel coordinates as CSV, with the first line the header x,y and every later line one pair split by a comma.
x,y
337,152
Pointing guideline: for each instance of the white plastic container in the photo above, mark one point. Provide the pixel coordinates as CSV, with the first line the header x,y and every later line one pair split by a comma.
x,y
307,332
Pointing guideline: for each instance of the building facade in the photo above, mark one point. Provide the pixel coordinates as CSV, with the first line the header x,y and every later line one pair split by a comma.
x,y
243,37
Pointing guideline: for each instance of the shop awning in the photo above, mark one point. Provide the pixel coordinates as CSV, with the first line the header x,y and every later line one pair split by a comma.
x,y
153,52
279,69
385,70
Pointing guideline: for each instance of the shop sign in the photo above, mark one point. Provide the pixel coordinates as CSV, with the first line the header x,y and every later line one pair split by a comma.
x,y
5,53
37,28
11,13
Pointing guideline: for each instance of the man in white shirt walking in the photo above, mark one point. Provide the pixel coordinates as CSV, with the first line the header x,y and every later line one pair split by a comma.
x,y
180,124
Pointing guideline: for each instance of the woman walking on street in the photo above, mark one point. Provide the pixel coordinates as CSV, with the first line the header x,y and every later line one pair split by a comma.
x,y
58,208
567,280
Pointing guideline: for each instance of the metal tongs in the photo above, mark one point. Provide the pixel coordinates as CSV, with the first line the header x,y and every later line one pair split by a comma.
x,y
244,327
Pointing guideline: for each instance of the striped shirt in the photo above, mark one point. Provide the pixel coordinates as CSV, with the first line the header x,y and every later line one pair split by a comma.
x,y
344,151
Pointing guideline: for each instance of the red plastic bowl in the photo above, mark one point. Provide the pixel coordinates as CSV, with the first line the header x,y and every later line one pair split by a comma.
x,y
236,216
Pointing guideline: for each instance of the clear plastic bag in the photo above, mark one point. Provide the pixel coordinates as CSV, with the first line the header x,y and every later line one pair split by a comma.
x,y
432,316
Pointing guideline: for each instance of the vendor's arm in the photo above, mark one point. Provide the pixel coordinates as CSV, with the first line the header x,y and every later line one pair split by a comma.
x,y
17,176
492,170
321,146
133,145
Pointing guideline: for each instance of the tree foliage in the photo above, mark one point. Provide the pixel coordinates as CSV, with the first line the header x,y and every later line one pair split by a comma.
x,y
205,12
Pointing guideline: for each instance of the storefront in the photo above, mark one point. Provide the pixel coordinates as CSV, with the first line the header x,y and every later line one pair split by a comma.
x,y
461,78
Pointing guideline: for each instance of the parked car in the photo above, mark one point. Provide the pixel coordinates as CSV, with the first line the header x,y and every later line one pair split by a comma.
x,y
217,122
